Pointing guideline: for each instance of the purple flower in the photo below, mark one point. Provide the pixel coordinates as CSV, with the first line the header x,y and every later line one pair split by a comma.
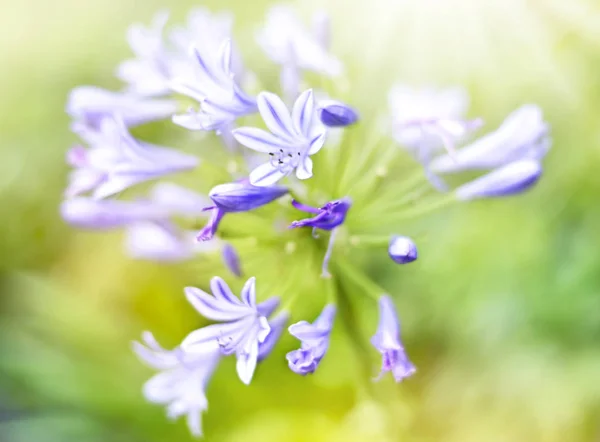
x,y
115,161
236,197
293,139
222,101
523,135
402,249
336,114
232,259
328,217
181,382
314,340
387,342
245,326
511,179
90,105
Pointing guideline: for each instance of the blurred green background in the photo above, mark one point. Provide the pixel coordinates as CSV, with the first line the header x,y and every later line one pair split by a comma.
x,y
501,314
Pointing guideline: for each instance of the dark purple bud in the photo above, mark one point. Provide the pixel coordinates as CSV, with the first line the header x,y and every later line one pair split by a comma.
x,y
402,249
232,260
241,197
337,114
328,217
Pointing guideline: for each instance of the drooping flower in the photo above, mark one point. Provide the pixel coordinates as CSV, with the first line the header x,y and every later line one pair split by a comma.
x,y
293,138
115,161
509,180
244,328
336,114
387,342
329,217
236,197
89,105
402,249
180,385
314,340
522,135
221,100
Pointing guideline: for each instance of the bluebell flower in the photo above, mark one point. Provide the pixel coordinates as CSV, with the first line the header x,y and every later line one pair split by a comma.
x,y
221,100
116,161
181,383
243,330
402,249
236,197
511,179
89,105
231,259
523,135
314,340
336,114
293,139
329,217
387,342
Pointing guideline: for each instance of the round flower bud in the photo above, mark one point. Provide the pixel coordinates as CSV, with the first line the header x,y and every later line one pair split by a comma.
x,y
336,114
402,249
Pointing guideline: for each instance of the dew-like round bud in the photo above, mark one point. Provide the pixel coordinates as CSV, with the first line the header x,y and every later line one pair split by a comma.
x,y
402,249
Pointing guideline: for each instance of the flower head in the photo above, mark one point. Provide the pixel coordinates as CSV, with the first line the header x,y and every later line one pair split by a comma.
x,y
244,328
402,249
182,380
116,161
314,340
387,342
293,139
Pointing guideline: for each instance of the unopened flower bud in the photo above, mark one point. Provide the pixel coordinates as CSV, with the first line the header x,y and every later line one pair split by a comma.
x,y
402,250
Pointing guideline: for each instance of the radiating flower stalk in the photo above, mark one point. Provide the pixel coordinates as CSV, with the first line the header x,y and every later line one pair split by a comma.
x,y
309,190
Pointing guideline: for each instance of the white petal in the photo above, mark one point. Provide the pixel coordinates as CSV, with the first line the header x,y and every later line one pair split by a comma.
x,y
275,115
249,293
304,170
259,140
303,112
266,175
246,363
317,143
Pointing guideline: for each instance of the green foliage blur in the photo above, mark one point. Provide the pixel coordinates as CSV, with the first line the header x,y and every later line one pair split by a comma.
x,y
501,314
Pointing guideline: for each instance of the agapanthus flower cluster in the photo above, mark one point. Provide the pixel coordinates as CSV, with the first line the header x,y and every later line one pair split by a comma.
x,y
299,174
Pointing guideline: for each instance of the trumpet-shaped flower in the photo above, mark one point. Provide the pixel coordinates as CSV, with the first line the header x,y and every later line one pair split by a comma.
x,y
115,161
180,385
244,328
221,100
293,139
387,342
314,340
522,135
89,105
511,179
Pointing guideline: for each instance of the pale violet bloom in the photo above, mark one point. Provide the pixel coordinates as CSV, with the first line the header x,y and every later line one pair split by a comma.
x,y
288,43
149,72
285,40
116,161
149,234
314,340
294,137
89,105
387,342
402,249
181,382
523,135
512,179
236,197
243,328
221,99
